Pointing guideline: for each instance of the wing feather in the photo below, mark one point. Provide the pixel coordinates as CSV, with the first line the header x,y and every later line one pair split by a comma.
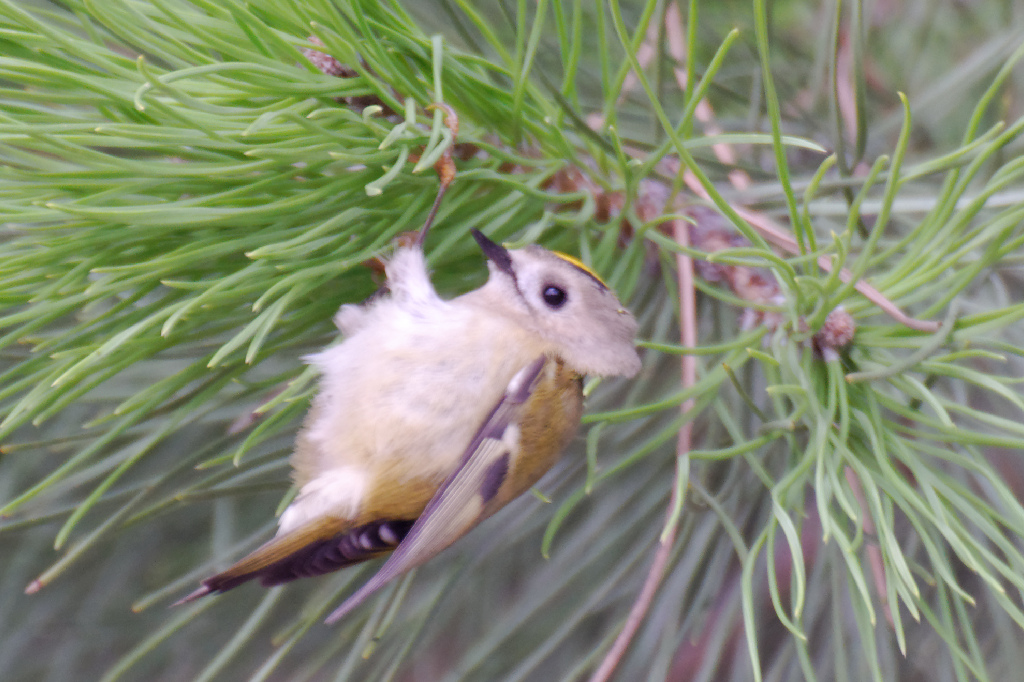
x,y
467,497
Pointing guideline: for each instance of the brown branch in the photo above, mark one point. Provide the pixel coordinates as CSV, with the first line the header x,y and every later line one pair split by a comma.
x,y
688,338
781,238
874,553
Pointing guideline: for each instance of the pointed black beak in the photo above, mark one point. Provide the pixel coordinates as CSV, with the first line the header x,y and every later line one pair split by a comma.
x,y
496,253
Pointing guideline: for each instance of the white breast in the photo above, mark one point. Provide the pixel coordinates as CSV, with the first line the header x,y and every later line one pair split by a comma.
x,y
403,395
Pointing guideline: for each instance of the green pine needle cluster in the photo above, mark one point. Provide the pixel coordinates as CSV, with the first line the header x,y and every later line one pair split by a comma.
x,y
186,201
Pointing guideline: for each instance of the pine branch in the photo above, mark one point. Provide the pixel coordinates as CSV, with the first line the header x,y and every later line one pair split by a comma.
x,y
192,189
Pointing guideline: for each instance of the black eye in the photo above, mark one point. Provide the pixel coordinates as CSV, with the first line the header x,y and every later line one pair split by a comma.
x,y
554,296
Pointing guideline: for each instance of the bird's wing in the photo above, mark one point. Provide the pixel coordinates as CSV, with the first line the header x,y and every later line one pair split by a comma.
x,y
467,496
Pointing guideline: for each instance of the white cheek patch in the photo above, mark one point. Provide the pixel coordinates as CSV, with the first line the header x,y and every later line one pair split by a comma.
x,y
337,492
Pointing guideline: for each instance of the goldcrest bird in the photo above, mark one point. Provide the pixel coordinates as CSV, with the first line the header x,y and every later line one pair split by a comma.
x,y
432,415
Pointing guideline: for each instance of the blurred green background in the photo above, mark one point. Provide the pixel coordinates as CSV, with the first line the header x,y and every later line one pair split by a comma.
x,y
187,201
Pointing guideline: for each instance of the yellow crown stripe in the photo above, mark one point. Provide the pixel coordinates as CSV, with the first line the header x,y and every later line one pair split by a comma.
x,y
579,264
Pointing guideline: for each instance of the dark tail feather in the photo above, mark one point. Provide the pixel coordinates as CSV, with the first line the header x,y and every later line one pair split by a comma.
x,y
318,557
201,592
353,547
